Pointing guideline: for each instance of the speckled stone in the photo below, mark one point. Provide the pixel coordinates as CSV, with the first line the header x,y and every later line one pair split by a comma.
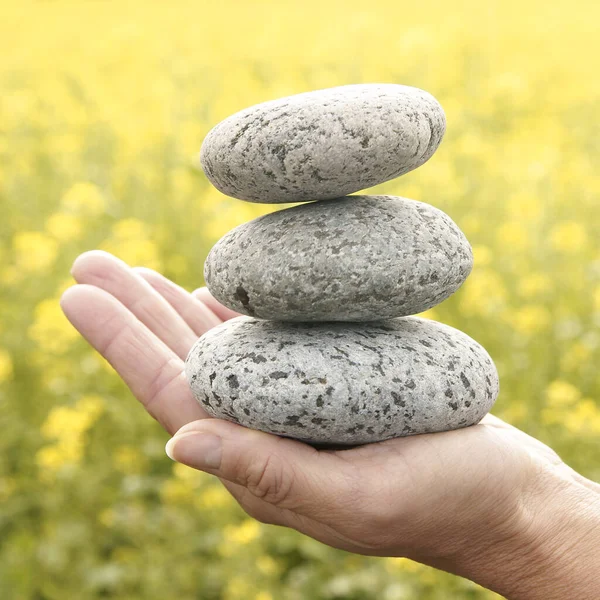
x,y
358,258
323,144
342,383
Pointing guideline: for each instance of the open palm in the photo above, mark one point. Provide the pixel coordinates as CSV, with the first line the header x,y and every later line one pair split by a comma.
x,y
422,496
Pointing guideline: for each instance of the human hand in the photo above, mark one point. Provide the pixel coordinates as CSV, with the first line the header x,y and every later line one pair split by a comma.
x,y
487,502
144,325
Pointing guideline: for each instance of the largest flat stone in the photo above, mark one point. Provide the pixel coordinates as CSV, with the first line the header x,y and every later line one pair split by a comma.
x,y
323,144
358,258
342,383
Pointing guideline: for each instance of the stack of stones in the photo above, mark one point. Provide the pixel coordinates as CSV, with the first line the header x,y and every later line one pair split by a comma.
x,y
328,353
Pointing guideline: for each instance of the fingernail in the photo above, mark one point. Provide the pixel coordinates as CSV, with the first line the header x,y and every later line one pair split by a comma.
x,y
195,449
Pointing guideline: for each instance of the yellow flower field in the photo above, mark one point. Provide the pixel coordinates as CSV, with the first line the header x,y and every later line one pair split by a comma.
x,y
103,108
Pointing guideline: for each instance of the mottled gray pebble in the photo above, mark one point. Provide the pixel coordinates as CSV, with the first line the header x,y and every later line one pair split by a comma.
x,y
323,144
342,383
358,258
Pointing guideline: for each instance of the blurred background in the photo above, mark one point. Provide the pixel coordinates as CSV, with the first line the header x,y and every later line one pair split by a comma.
x,y
103,107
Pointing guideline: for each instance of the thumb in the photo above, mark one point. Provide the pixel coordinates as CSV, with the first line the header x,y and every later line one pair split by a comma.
x,y
282,472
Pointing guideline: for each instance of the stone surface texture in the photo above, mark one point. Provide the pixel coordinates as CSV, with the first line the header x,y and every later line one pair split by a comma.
x,y
357,258
342,383
323,144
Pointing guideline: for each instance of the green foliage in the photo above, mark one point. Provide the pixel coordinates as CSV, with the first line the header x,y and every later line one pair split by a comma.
x,y
102,108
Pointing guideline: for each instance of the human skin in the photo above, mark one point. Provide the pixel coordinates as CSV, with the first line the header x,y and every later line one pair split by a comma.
x,y
487,502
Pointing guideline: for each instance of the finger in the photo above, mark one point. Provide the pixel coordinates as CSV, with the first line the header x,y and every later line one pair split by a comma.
x,y
207,298
113,275
316,502
195,313
152,371
281,472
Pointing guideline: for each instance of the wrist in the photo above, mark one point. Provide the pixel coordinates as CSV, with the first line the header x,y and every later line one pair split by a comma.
x,y
550,548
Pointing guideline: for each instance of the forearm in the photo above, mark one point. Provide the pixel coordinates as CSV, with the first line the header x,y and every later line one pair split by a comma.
x,y
555,552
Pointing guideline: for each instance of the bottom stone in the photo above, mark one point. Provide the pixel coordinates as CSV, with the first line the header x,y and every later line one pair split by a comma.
x,y
342,384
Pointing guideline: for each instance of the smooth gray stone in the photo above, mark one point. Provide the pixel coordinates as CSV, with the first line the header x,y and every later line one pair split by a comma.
x,y
342,383
323,144
359,258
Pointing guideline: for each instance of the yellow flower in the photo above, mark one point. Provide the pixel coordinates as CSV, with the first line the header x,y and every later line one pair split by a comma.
x,y
66,143
238,588
64,227
561,393
531,319
8,487
83,149
214,497
226,214
129,460
534,284
136,253
52,458
482,255
483,293
66,426
243,534
184,486
6,365
236,536
524,206
515,413
576,355
84,198
513,86
596,297
69,421
107,517
411,191
471,224
62,286
583,418
124,555
63,421
267,565
174,491
130,228
34,251
513,236
190,476
552,416
51,329
472,144
91,405
568,237
182,183
395,564
178,265
132,242
11,275
429,314
191,138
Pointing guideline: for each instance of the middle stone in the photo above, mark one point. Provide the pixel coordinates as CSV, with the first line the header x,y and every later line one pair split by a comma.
x,y
357,258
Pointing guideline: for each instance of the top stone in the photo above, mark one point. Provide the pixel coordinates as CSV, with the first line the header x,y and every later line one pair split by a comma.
x,y
323,144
